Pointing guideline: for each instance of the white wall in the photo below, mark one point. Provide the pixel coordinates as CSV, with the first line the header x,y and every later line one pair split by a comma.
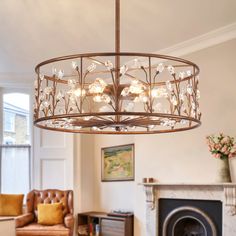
x,y
83,173
177,157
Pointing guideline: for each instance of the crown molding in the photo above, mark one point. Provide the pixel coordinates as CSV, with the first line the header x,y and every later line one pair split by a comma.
x,y
203,41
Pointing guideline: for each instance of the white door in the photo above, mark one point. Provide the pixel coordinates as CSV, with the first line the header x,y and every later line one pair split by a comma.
x,y
53,160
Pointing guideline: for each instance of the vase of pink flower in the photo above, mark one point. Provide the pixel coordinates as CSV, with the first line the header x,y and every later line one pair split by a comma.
x,y
223,148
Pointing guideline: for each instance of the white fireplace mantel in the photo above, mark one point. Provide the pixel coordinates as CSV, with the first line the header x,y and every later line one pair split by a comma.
x,y
225,192
229,190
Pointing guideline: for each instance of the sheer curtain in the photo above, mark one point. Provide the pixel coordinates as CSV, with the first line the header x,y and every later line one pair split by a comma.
x,y
15,168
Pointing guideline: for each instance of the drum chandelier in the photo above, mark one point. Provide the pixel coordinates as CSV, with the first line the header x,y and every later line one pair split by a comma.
x,y
117,92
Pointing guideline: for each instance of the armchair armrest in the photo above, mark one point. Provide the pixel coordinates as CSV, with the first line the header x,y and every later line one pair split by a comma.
x,y
24,219
69,221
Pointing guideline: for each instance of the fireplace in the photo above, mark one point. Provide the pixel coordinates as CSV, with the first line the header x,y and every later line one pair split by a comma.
x,y
183,209
183,217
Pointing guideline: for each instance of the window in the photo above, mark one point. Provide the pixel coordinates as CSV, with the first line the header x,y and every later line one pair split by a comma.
x,y
16,118
9,121
15,148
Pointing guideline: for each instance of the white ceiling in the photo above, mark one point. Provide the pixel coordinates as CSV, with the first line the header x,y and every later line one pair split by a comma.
x,y
35,30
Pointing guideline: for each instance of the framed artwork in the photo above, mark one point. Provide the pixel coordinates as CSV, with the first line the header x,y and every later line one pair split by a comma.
x,y
118,163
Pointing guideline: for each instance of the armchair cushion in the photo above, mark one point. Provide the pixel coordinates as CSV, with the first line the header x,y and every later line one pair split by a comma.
x,y
24,219
11,204
36,229
50,214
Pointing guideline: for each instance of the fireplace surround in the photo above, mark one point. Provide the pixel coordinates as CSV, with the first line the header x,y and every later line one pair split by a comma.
x,y
189,216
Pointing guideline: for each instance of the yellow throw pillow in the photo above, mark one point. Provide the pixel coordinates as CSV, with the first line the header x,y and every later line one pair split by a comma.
x,y
50,214
11,204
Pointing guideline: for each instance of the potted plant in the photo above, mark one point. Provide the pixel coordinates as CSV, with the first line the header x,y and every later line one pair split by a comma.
x,y
222,147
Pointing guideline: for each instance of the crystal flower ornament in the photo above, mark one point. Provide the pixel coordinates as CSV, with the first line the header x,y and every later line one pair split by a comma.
x,y
92,67
171,69
98,86
136,87
60,74
160,67
109,65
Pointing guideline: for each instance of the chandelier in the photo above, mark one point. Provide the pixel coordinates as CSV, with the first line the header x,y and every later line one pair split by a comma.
x,y
117,92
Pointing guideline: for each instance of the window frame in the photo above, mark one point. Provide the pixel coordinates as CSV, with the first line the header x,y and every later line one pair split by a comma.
x,y
27,90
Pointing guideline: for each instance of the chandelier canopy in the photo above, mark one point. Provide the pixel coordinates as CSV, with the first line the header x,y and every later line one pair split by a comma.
x,y
117,92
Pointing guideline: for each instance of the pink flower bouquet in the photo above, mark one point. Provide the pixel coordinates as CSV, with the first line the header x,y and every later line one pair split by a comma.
x,y
221,146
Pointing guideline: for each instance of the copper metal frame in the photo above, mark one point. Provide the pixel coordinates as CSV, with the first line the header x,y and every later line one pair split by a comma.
x,y
116,122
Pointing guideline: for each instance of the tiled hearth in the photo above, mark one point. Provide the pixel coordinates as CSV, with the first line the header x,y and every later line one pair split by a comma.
x,y
225,194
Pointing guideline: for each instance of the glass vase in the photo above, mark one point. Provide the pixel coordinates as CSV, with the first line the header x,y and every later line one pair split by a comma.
x,y
223,175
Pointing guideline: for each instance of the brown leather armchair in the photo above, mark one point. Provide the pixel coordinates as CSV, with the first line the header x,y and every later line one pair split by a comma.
x,y
27,225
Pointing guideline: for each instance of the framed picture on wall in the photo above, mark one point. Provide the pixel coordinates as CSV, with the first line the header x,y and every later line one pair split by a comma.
x,y
118,163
